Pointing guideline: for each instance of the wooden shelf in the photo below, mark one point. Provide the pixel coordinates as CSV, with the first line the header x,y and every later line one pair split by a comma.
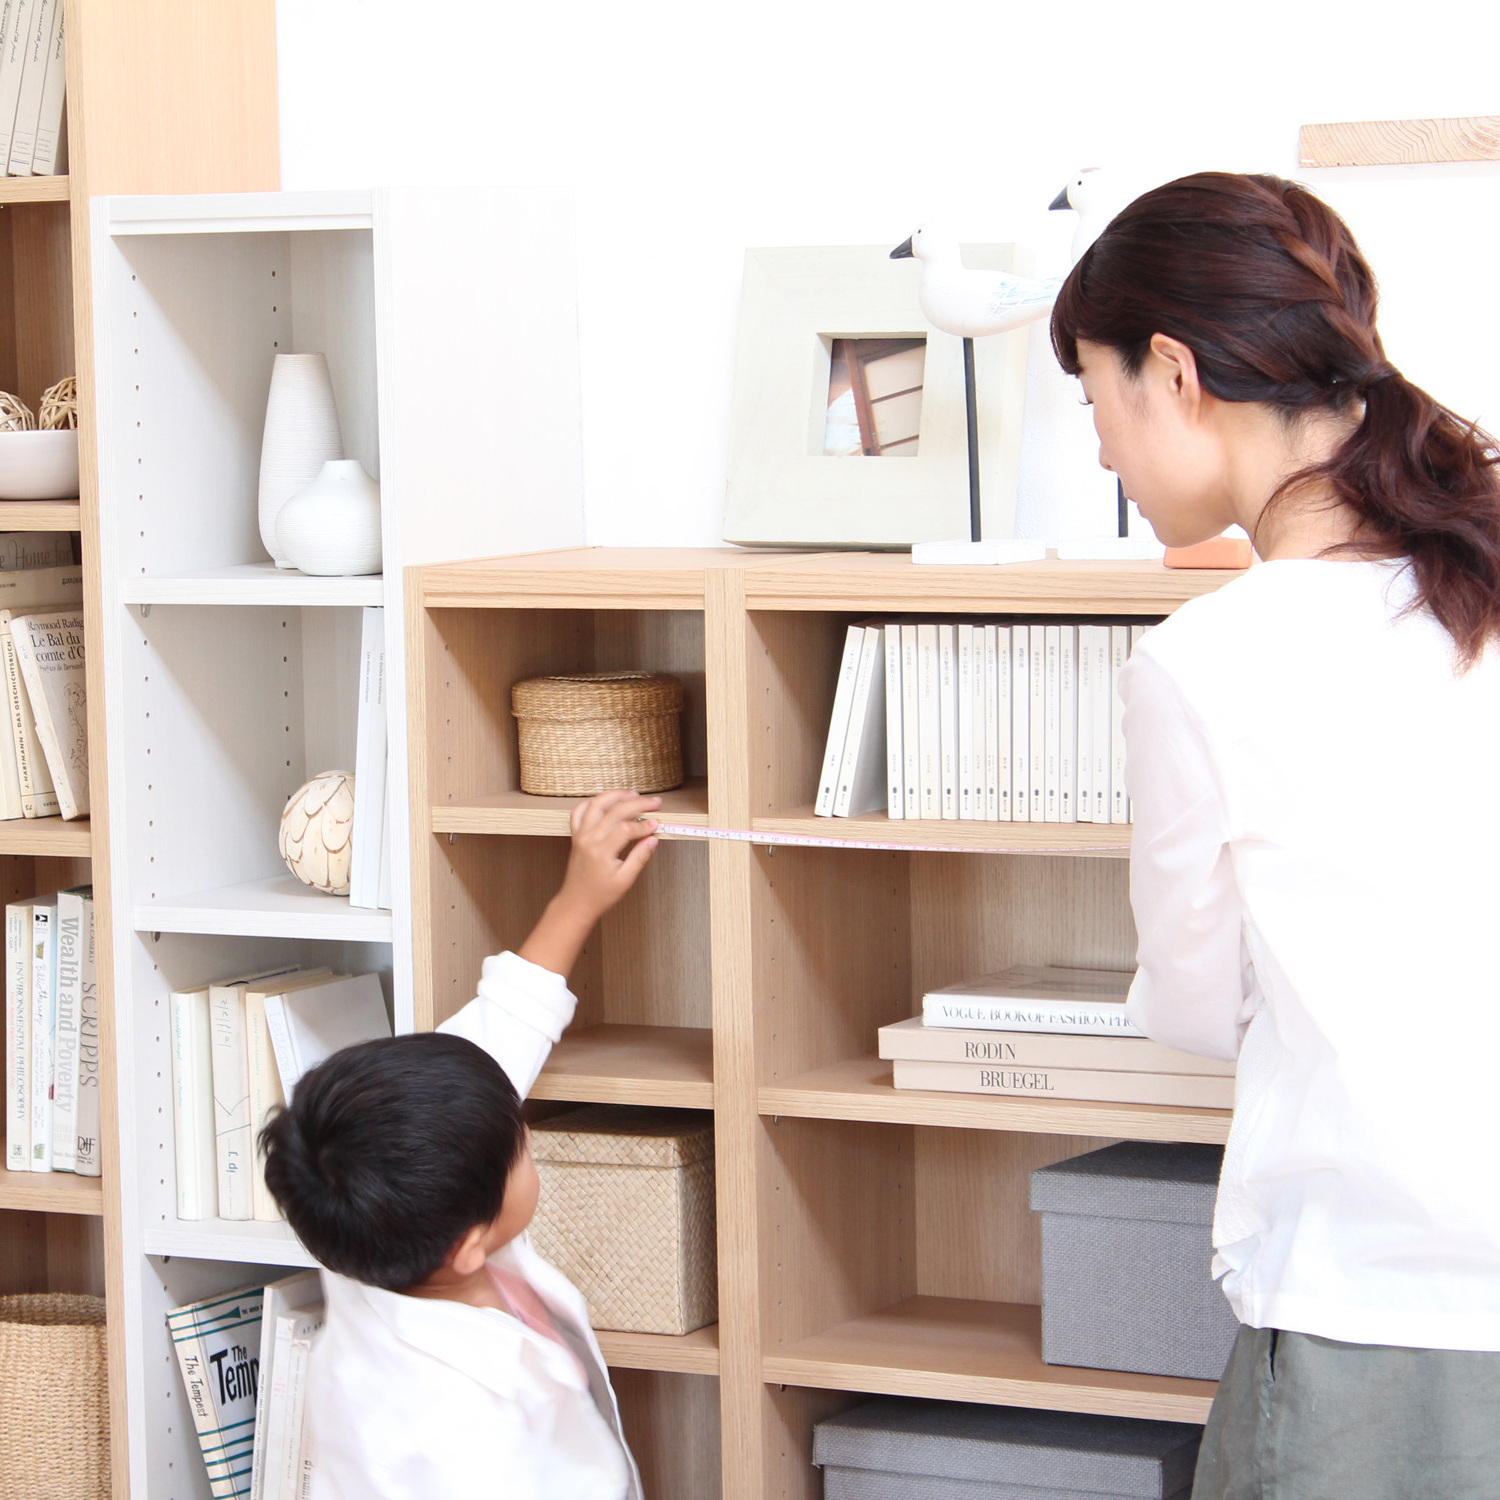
x,y
671,1066
52,838
520,812
51,1192
259,1244
1098,840
252,583
694,1353
280,906
40,515
861,1089
959,1350
34,189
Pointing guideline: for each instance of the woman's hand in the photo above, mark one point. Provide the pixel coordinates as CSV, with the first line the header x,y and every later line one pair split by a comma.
x,y
613,839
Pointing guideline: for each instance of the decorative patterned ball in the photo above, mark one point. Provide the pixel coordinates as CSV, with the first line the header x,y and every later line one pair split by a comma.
x,y
59,406
15,415
316,825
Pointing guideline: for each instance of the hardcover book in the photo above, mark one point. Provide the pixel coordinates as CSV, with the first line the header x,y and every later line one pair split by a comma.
x,y
87,1153
43,1028
50,655
70,936
1187,1089
1036,999
18,1037
309,1025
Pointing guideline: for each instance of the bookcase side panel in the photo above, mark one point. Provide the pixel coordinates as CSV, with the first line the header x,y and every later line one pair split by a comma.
x,y
42,278
788,1415
42,1252
671,1423
661,640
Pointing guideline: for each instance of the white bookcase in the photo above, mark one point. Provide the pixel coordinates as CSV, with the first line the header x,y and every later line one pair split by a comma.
x,y
449,322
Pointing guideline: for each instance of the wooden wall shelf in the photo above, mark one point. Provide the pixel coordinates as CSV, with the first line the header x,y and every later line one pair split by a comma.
x,y
49,838
671,1066
34,189
51,1193
41,515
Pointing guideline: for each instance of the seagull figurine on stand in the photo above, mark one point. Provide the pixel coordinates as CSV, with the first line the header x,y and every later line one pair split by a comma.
x,y
969,305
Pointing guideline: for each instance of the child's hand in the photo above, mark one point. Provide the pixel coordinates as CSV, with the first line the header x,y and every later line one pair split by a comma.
x,y
613,838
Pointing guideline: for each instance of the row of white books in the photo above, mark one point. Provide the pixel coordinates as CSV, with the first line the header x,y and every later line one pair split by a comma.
x,y
33,88
51,1035
238,1049
1051,1033
243,1356
998,723
370,839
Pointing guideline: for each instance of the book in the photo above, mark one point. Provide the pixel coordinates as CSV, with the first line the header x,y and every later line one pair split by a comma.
x,y
28,588
911,721
861,779
977,700
34,784
1067,744
1103,724
1084,797
1020,724
965,677
50,156
291,1306
38,47
1119,651
1003,723
368,833
218,1350
384,885
18,1037
947,721
14,30
193,1105
930,722
87,1161
310,1025
69,1017
43,1028
915,1041
1192,1090
1052,738
1025,998
50,654
838,722
299,1353
895,796
21,551
1036,711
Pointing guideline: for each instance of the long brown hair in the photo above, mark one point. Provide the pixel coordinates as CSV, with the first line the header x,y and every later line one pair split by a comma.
x,y
1265,284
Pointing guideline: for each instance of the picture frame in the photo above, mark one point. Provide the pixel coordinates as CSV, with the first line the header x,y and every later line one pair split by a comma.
x,y
783,490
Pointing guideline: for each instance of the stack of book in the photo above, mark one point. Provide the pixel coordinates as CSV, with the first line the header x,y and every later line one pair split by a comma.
x,y
1003,723
1050,1033
238,1049
51,1035
243,1356
33,86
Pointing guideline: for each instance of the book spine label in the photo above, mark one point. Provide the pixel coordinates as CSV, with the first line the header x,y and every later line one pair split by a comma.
x,y
193,1111
1020,724
1177,1089
895,797
1067,741
88,1159
929,681
966,807
838,722
948,719
1036,1049
1119,651
287,1063
65,1064
1084,800
991,720
18,1038
911,724
1052,687
1077,1017
43,1032
226,1019
1037,713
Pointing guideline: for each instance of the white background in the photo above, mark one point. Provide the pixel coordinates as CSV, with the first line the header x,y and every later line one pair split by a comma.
x,y
690,131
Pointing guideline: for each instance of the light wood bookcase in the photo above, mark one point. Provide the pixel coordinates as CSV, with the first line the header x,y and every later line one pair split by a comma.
x,y
869,1241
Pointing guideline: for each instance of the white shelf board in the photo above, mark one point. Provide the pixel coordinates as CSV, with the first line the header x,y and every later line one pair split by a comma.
x,y
252,583
278,907
238,213
223,1239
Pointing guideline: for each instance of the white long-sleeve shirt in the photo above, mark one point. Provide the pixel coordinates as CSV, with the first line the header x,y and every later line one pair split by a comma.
x,y
1316,882
413,1398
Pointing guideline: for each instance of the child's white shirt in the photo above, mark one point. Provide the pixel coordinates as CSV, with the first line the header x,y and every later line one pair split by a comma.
x,y
411,1398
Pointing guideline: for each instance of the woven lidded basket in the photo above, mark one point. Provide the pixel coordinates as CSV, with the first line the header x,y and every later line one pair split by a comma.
x,y
593,732
627,1212
54,1401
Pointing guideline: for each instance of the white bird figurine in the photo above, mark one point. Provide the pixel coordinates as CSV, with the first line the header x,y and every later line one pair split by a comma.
x,y
972,304
1089,195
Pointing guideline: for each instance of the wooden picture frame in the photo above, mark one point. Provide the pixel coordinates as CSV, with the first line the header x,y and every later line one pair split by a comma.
x,y
782,490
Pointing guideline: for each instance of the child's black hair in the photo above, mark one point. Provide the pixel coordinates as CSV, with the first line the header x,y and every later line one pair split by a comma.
x,y
391,1151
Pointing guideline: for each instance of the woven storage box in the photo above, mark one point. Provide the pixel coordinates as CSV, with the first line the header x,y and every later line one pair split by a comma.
x,y
627,1212
895,1448
598,731
1127,1248
54,1401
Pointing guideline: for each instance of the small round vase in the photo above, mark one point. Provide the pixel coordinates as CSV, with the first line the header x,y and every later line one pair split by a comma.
x,y
332,528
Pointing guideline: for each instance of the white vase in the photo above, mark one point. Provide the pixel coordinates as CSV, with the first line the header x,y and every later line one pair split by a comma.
x,y
301,435
332,528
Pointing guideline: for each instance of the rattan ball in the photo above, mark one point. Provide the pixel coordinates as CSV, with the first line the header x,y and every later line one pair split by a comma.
x,y
59,406
316,827
589,732
15,415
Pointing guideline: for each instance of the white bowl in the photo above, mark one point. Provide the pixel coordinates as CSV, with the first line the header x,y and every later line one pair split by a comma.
x,y
39,465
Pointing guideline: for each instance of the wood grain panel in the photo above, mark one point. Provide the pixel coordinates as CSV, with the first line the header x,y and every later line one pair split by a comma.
x,y
671,1422
1379,143
42,281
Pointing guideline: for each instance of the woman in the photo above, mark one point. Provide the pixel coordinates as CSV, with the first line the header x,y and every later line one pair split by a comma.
x,y
1314,875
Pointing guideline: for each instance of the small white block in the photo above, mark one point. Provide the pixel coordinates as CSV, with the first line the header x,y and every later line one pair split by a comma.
x,y
982,554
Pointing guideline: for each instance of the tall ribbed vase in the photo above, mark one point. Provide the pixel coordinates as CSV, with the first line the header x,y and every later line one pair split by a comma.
x,y
301,435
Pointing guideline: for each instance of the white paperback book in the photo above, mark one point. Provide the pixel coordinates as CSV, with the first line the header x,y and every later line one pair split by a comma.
x,y
861,783
18,1036
1052,745
43,1028
1067,741
193,1106
383,892
838,722
69,1021
1020,724
38,47
948,721
1138,633
929,680
13,33
298,1302
966,811
299,1352
368,833
50,157
88,1155
33,783
22,551
895,796
1084,801
1119,653
50,655
911,724
1027,998
1103,724
310,1025
1003,722
977,700
990,656
1037,716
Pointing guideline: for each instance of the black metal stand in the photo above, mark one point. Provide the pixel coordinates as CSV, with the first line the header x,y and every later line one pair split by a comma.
x,y
1122,512
973,415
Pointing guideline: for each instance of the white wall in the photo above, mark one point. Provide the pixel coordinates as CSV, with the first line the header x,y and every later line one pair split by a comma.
x,y
692,130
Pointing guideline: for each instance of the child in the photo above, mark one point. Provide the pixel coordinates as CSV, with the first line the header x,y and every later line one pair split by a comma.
x,y
455,1362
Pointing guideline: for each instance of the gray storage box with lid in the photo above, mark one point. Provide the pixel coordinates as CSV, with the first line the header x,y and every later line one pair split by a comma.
x,y
897,1448
1127,1250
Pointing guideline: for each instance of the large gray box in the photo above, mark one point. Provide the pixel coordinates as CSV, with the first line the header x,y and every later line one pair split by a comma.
x,y
1127,1246
897,1448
